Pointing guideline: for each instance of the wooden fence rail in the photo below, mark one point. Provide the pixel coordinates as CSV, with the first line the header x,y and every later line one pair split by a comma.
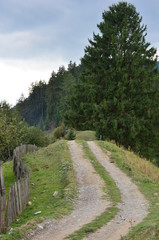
x,y
19,192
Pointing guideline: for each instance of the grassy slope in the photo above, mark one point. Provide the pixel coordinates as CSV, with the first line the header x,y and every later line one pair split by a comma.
x,y
146,176
51,170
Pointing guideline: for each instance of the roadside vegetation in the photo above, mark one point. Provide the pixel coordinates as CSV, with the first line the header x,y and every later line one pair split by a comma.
x,y
51,171
15,131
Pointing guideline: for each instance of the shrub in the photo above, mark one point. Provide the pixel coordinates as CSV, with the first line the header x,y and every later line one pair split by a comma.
x,y
71,135
59,132
35,136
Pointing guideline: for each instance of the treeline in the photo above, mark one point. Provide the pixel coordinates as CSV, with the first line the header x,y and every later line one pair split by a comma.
x,y
14,131
114,91
48,103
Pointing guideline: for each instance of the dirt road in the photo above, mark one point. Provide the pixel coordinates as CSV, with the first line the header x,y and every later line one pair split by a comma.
x,y
88,206
133,208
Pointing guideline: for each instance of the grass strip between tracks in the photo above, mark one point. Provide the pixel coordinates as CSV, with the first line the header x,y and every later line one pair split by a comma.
x,y
111,191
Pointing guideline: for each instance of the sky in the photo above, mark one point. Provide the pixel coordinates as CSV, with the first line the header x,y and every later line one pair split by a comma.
x,y
38,36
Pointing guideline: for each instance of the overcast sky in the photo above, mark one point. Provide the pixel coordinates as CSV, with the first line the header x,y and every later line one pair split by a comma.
x,y
38,36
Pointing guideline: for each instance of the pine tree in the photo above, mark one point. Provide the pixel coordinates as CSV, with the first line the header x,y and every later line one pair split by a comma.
x,y
118,81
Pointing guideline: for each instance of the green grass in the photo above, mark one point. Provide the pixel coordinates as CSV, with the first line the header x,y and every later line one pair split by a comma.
x,y
146,176
9,177
51,170
111,191
85,135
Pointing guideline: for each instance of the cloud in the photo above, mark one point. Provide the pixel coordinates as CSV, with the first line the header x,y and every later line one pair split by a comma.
x,y
30,44
44,28
16,43
16,76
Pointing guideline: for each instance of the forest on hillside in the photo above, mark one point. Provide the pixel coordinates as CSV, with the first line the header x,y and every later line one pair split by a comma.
x,y
114,90
48,103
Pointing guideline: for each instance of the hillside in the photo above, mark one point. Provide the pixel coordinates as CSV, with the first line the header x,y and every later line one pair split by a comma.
x,y
52,170
47,103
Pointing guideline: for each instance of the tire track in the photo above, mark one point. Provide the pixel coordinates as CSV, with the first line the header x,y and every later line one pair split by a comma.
x,y
89,204
133,208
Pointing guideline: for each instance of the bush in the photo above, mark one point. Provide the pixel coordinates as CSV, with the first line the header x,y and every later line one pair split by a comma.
x,y
71,135
35,136
59,132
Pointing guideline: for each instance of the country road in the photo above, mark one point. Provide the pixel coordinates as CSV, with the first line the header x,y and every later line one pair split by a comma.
x,y
90,204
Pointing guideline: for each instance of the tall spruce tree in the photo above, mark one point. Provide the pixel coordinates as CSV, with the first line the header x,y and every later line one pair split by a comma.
x,y
118,84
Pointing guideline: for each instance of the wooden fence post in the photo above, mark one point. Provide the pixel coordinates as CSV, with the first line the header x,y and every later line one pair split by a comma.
x,y
2,200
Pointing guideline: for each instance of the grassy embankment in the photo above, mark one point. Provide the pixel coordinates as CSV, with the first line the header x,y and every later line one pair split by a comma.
x,y
51,170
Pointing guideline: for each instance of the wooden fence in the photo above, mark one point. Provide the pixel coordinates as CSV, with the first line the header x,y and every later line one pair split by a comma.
x,y
2,200
18,167
17,199
19,192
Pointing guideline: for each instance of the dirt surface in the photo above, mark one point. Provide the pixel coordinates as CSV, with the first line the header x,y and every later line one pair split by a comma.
x,y
133,208
89,205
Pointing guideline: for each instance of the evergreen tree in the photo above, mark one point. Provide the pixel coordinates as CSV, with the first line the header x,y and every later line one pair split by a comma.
x,y
59,90
33,108
47,103
54,89
118,94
